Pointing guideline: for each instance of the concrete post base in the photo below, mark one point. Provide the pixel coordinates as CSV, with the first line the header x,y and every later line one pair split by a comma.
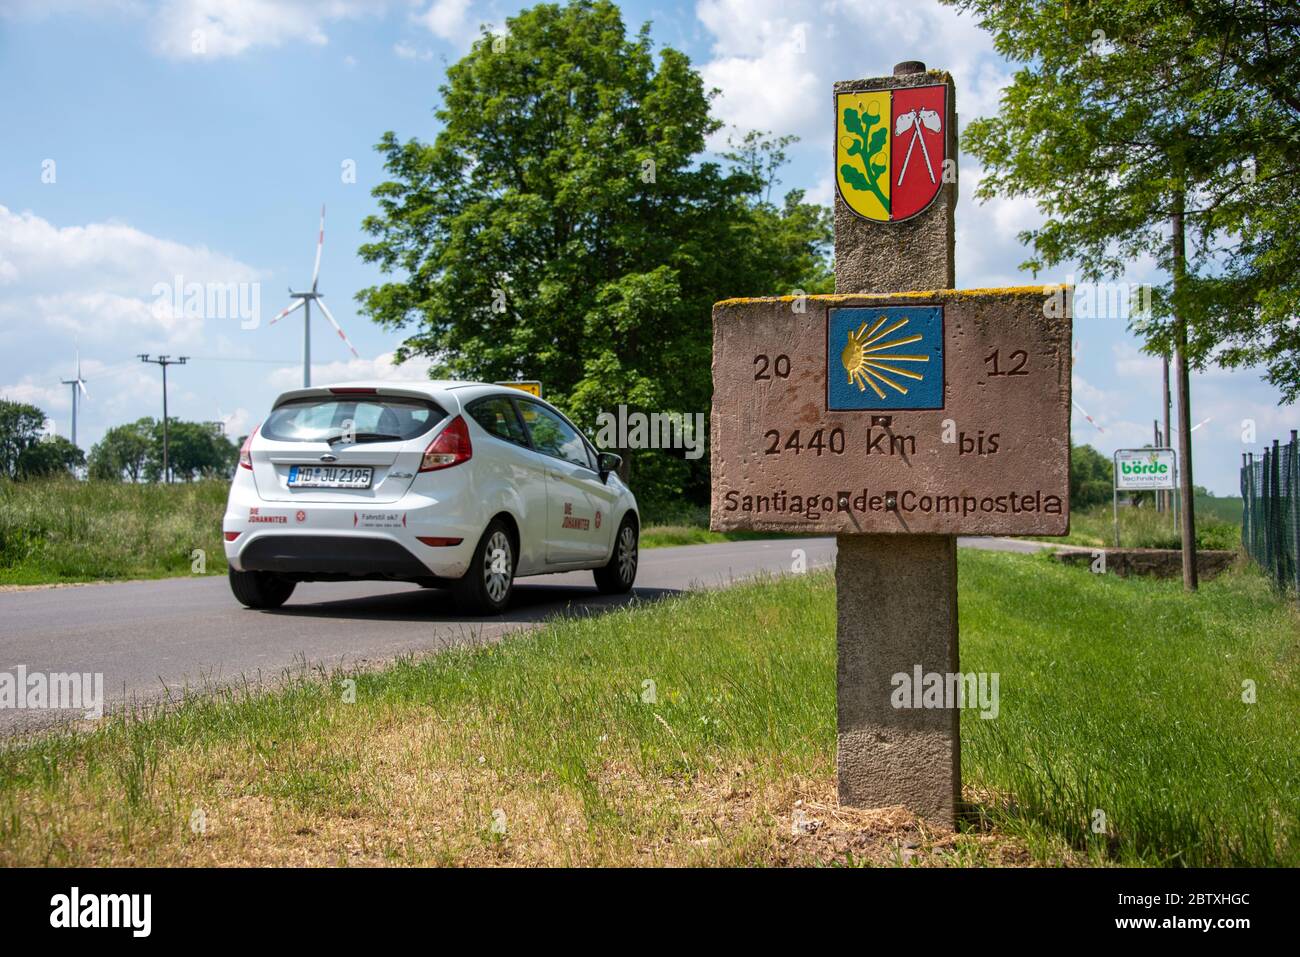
x,y
897,608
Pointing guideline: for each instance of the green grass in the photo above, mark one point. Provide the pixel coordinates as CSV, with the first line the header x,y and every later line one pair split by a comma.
x,y
1126,695
1226,508
1116,694
1145,528
660,536
62,530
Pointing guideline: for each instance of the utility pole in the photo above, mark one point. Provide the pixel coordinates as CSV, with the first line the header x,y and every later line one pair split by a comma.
x,y
164,362
1155,444
1166,497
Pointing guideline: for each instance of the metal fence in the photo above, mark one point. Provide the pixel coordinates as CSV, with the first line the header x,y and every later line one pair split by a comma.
x,y
1270,524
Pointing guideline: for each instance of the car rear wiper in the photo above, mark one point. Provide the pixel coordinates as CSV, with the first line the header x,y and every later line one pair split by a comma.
x,y
358,436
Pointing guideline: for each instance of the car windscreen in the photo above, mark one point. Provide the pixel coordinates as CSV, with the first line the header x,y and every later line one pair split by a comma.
x,y
348,418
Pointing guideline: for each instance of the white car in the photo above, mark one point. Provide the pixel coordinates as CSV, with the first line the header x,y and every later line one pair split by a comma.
x,y
458,485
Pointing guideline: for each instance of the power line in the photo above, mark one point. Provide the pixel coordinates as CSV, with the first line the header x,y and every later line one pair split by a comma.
x,y
164,362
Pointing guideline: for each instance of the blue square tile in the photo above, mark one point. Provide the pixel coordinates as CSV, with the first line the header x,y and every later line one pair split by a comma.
x,y
888,357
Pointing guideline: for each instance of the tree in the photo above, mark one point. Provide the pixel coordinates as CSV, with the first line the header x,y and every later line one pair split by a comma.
x,y
563,226
51,455
1091,477
1167,128
123,451
21,427
196,449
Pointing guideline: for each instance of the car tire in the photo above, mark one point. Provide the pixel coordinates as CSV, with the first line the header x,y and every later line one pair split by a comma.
x,y
618,575
486,588
261,590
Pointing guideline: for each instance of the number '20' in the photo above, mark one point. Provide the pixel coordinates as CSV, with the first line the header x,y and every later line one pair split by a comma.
x,y
780,367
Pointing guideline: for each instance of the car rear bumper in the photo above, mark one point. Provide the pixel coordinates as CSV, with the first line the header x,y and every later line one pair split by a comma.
x,y
331,556
326,541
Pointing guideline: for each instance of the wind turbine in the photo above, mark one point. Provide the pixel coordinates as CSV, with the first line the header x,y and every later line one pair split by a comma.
x,y
304,301
78,386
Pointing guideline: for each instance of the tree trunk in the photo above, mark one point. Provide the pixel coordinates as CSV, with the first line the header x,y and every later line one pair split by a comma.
x,y
1184,398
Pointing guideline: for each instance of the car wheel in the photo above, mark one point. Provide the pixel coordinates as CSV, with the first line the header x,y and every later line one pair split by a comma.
x,y
616,577
260,589
486,588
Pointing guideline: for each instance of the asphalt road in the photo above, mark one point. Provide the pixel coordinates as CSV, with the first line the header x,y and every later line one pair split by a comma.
x,y
155,638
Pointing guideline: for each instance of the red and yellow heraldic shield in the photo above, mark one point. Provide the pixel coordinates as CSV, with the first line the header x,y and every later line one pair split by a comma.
x,y
890,147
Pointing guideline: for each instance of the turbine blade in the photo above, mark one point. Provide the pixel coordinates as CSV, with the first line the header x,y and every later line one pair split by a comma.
x,y
82,386
320,241
337,327
297,304
1084,411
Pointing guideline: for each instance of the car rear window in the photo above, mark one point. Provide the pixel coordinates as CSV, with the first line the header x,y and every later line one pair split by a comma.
x,y
352,418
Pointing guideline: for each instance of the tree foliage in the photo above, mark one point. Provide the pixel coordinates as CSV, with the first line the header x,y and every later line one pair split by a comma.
x,y
1125,110
563,225
135,451
1091,477
51,455
21,427
123,452
196,450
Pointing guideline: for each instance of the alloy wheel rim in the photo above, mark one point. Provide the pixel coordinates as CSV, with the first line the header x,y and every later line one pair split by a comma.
x,y
497,582
627,553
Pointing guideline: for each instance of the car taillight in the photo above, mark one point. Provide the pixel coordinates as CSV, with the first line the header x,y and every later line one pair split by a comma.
x,y
451,447
245,450
231,536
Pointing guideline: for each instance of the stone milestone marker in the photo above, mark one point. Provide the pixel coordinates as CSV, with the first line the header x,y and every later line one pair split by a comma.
x,y
895,414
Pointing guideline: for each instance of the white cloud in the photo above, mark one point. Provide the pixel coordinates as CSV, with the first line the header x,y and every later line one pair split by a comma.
x,y
185,29
823,192
762,67
381,367
988,246
445,19
36,9
236,423
98,281
1132,363
774,60
92,287
407,52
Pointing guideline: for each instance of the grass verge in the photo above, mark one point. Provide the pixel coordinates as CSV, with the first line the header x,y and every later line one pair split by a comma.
x,y
64,531
700,730
1145,528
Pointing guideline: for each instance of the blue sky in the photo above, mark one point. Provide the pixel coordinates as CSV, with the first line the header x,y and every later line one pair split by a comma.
x,y
211,164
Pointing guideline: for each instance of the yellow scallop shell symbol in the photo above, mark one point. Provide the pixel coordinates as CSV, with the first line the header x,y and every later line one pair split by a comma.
x,y
868,360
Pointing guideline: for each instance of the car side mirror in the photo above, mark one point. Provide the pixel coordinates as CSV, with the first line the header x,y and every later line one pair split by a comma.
x,y
607,462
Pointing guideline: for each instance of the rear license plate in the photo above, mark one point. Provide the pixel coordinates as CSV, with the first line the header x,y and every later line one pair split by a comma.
x,y
329,476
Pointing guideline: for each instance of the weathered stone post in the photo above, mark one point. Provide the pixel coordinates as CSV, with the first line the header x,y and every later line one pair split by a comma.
x,y
895,414
886,755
